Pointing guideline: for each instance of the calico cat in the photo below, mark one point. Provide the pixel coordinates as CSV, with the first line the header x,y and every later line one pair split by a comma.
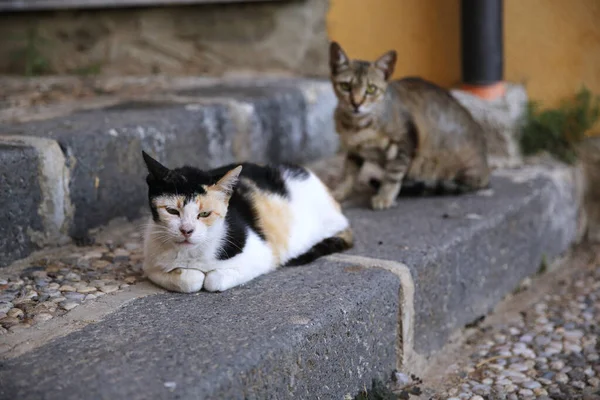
x,y
416,131
220,228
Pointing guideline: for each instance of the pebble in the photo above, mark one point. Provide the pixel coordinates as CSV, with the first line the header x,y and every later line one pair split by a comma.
x,y
86,290
15,312
578,384
594,382
42,317
402,379
526,392
549,352
73,277
5,307
74,296
109,288
68,305
7,322
481,389
67,288
557,365
531,385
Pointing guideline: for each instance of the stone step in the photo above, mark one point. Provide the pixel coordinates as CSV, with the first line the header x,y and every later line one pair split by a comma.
x,y
207,123
418,273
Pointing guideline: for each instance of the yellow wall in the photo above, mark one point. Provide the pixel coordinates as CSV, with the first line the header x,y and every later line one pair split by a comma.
x,y
551,45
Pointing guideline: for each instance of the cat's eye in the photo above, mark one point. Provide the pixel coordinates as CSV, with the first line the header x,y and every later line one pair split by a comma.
x,y
172,211
371,89
204,214
345,86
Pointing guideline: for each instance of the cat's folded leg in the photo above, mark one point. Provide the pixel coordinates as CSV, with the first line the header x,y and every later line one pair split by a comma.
x,y
350,175
225,278
395,170
178,279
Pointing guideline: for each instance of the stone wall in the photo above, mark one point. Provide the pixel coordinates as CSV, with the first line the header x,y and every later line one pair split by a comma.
x,y
287,37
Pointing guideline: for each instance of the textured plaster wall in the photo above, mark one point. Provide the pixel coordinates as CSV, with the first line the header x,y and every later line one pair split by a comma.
x,y
551,45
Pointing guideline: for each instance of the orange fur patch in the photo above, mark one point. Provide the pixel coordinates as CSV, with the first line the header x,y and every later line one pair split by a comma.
x,y
213,202
274,219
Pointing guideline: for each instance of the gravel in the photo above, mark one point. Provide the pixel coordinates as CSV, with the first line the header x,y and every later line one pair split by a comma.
x,y
550,351
51,286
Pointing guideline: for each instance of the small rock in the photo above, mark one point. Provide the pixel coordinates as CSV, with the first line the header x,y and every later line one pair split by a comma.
x,y
481,389
74,296
572,348
402,379
561,378
573,335
531,385
476,398
594,382
123,286
557,365
58,299
526,338
42,317
53,286
130,280
518,367
86,290
68,305
100,264
7,322
15,312
90,297
487,381
109,288
578,384
526,392
67,288
132,246
514,331
5,307
576,374
73,277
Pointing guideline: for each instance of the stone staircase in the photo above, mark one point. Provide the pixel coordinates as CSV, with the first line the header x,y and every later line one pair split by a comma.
x,y
417,274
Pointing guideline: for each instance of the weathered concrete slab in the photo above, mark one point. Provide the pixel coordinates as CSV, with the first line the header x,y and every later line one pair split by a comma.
x,y
465,253
206,127
311,332
20,194
34,207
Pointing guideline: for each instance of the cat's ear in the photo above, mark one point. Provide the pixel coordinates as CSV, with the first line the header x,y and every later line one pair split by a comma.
x,y
227,183
337,58
156,169
386,63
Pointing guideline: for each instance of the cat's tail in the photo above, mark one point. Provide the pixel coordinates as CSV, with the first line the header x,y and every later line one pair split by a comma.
x,y
344,240
429,188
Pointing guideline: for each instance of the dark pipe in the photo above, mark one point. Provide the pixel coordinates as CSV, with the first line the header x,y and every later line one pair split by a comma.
x,y
481,39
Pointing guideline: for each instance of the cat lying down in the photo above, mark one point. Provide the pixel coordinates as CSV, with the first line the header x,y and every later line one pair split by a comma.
x,y
221,228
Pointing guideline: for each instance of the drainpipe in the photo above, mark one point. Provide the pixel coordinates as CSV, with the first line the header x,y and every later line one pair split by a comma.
x,y
482,48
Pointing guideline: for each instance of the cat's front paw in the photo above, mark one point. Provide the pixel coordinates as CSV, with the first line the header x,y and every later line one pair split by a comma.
x,y
340,194
382,202
220,280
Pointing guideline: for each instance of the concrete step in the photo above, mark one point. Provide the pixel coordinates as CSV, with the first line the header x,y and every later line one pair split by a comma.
x,y
205,122
418,273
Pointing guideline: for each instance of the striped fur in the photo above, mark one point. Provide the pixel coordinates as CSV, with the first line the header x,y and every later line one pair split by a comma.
x,y
411,128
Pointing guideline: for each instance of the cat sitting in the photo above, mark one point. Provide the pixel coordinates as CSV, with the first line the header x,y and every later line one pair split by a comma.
x,y
221,228
423,138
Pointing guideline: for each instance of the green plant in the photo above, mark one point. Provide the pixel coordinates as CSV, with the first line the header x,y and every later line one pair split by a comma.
x,y
558,130
88,70
29,56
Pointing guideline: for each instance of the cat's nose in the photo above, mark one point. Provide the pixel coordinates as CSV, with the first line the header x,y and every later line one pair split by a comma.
x,y
186,232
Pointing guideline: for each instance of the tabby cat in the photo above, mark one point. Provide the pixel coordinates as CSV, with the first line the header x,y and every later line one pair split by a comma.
x,y
220,228
416,131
